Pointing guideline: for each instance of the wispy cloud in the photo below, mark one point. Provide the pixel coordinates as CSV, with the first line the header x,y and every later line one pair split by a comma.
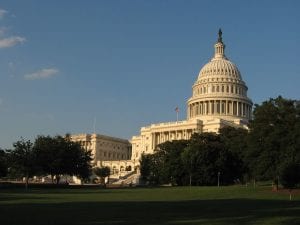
x,y
11,41
6,40
42,74
2,13
1,101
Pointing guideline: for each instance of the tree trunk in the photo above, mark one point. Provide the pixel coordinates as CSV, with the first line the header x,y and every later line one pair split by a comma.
x,y
290,191
277,183
52,178
57,179
26,181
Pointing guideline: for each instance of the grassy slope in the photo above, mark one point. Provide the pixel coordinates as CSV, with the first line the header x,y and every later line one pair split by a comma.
x,y
177,205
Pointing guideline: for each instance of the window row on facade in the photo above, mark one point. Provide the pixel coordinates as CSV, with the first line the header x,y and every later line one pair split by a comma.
x,y
231,89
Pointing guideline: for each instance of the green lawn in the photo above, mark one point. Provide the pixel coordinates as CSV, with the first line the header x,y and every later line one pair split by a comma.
x,y
169,205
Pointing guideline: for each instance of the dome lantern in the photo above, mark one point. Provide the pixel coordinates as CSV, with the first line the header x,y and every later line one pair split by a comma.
x,y
219,47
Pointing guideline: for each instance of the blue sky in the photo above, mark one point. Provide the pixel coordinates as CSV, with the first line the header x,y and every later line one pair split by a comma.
x,y
127,64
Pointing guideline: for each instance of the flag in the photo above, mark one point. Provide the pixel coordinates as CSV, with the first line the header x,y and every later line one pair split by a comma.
x,y
177,109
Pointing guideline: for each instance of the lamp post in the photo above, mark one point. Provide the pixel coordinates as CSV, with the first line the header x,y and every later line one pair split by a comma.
x,y
219,178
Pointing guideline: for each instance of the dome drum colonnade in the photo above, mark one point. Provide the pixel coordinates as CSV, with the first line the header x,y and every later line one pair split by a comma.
x,y
219,90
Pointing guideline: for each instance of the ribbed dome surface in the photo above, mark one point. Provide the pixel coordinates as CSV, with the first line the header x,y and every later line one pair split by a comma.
x,y
220,67
219,91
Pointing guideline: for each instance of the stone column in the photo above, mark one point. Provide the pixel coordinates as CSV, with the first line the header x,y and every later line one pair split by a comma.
x,y
243,105
214,107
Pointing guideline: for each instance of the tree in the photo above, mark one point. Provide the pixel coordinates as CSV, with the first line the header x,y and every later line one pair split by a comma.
x,y
22,159
290,175
58,155
172,168
165,165
3,163
102,172
76,159
205,157
145,166
50,155
274,137
150,166
235,140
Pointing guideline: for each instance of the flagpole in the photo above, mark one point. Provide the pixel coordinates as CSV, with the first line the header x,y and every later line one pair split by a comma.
x,y
177,110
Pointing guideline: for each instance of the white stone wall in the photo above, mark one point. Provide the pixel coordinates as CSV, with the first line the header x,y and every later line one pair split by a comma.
x,y
104,147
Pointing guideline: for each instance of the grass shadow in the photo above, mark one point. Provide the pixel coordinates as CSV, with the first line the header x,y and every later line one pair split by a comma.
x,y
218,212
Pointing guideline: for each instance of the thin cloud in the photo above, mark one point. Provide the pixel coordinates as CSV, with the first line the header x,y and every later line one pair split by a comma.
x,y
1,101
11,41
42,74
2,13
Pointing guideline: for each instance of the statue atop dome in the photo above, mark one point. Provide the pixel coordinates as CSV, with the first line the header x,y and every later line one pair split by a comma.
x,y
220,36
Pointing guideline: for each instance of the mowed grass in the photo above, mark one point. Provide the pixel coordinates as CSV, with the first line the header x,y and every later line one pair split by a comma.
x,y
168,205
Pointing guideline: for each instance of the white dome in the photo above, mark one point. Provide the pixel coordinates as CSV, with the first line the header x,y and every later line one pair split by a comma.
x,y
219,91
220,67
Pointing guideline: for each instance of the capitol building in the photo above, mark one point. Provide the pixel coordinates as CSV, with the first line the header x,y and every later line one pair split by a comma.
x,y
219,98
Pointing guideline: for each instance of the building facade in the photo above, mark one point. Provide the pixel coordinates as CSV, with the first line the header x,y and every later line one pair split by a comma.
x,y
219,98
104,147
